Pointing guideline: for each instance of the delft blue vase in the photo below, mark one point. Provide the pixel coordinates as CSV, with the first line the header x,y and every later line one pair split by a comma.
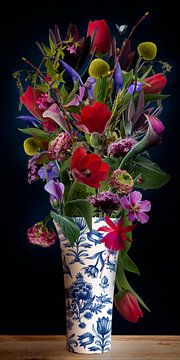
x,y
89,278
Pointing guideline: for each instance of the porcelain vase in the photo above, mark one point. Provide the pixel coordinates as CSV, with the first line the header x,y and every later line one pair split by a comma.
x,y
89,278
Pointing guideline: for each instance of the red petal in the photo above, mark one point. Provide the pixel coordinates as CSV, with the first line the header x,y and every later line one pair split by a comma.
x,y
110,222
77,157
105,229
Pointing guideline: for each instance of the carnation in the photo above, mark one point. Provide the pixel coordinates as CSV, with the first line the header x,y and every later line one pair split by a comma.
x,y
40,235
59,146
121,147
105,201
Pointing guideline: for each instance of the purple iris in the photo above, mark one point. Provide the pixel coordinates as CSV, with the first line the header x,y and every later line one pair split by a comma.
x,y
132,87
56,191
48,171
136,207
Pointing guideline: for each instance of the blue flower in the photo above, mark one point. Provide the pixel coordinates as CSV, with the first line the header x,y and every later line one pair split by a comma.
x,y
85,339
88,315
104,282
91,271
82,325
103,326
81,290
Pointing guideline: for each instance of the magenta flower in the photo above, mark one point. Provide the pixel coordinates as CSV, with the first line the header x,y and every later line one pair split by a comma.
x,y
56,191
40,235
77,98
136,207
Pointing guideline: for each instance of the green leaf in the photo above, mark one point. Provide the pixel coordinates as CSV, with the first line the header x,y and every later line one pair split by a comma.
x,y
37,133
46,49
122,282
81,206
50,68
152,176
70,230
65,166
73,92
52,45
127,78
63,94
154,97
101,88
129,264
42,87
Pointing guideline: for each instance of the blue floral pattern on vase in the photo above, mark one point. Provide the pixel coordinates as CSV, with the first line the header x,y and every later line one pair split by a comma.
x,y
89,277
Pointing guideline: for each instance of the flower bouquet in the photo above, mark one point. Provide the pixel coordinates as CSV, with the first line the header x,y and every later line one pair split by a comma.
x,y
94,114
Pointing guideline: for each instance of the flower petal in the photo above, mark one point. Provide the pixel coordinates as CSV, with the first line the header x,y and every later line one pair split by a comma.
x,y
145,205
135,197
125,202
142,217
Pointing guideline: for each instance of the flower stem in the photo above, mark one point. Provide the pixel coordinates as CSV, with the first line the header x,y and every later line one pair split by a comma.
x,y
72,188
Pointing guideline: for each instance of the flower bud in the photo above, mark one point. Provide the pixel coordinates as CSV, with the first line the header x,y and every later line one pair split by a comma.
x,y
155,84
128,307
95,139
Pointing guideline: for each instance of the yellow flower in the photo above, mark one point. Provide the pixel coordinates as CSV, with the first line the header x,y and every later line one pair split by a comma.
x,y
30,146
98,68
147,50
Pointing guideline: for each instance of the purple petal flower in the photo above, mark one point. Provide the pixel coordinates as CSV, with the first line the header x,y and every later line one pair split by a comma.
x,y
90,84
72,74
54,113
132,87
136,207
118,78
55,189
77,98
48,171
30,120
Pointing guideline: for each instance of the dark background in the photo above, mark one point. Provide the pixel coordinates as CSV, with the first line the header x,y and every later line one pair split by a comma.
x,y
31,283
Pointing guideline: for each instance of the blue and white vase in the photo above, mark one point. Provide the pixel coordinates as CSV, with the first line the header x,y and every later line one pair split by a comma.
x,y
89,278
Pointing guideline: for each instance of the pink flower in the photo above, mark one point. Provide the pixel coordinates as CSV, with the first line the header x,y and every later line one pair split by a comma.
x,y
128,307
116,237
40,235
136,207
60,145
72,49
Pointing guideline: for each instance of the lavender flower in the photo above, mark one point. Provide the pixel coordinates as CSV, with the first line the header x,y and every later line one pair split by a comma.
x,y
48,171
121,147
33,169
56,191
105,201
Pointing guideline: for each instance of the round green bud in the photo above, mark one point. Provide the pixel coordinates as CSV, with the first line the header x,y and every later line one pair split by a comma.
x,y
147,50
98,68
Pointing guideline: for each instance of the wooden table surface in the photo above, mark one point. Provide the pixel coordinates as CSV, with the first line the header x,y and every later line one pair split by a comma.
x,y
123,347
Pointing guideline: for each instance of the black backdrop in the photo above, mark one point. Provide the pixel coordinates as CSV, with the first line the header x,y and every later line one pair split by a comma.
x,y
31,283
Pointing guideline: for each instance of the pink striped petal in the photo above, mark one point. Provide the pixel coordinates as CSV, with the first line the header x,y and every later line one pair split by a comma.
x,y
135,197
142,217
145,205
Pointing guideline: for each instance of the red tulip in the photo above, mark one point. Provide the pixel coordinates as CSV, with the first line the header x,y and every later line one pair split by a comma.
x,y
37,102
93,118
128,306
102,39
88,169
157,83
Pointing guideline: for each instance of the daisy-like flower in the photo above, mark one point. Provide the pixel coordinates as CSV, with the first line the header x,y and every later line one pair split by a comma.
x,y
40,235
121,181
136,207
116,234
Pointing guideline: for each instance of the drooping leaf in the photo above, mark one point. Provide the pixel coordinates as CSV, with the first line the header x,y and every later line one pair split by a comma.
x,y
152,176
129,264
122,282
70,230
81,206
37,133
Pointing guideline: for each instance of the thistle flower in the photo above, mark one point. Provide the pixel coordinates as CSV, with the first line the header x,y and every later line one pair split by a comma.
x,y
105,201
121,181
121,147
59,146
147,50
40,235
98,68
